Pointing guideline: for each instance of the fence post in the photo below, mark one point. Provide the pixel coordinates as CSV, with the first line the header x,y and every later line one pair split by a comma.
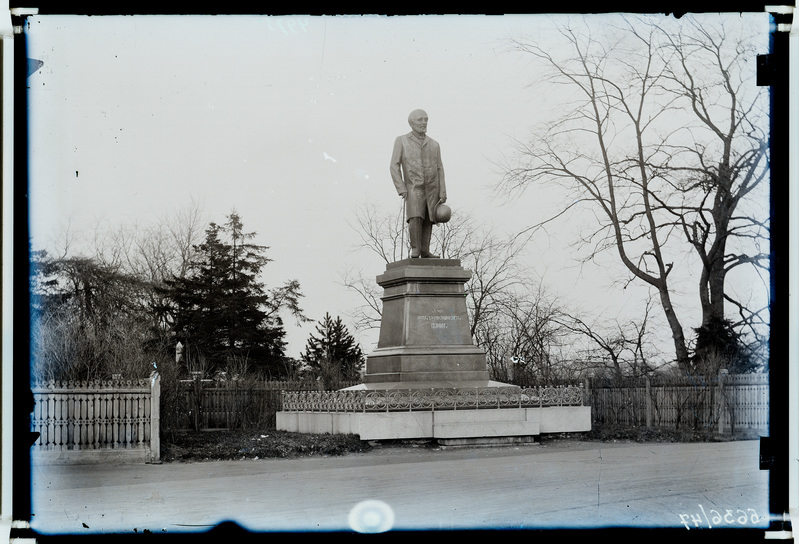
x,y
588,399
720,404
197,391
648,404
155,417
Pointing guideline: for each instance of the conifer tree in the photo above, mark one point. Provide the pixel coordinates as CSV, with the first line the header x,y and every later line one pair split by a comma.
x,y
222,311
333,354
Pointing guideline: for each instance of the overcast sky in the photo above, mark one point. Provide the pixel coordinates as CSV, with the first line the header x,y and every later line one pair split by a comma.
x,y
289,120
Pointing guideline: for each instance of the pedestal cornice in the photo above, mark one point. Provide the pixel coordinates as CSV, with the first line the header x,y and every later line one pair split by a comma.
x,y
424,270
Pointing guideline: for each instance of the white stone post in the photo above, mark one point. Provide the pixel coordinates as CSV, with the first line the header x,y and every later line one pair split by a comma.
x,y
155,418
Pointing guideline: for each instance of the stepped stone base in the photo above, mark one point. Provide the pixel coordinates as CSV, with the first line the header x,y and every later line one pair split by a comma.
x,y
486,441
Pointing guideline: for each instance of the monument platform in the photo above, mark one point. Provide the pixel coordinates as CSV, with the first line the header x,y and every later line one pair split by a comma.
x,y
427,379
442,414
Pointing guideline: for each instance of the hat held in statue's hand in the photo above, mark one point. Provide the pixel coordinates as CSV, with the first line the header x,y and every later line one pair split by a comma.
x,y
443,213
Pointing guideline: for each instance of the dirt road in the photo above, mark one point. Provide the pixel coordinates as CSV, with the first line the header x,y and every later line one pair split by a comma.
x,y
567,484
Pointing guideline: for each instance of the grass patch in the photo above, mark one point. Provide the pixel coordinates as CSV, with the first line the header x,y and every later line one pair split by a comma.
x,y
190,446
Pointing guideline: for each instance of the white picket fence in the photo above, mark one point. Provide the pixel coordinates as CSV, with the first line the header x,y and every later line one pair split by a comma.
x,y
97,421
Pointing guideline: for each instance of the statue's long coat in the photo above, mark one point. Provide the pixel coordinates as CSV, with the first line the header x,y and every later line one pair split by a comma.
x,y
416,170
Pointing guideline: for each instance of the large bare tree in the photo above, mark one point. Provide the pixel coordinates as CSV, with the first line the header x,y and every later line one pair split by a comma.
x,y
718,166
661,140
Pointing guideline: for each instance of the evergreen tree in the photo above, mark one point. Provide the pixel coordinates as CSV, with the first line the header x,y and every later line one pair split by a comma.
x,y
719,346
333,355
220,310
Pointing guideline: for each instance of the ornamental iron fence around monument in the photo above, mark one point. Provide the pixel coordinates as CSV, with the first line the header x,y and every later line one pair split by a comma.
x,y
432,399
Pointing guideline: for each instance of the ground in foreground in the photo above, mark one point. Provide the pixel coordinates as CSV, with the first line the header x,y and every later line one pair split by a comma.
x,y
193,446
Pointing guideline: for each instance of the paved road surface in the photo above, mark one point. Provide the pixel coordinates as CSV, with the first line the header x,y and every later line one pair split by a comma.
x,y
563,484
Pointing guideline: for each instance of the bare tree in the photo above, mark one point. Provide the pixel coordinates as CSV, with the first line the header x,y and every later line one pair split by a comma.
x,y
87,320
94,302
382,233
154,252
367,315
523,339
620,348
496,268
493,260
721,163
634,145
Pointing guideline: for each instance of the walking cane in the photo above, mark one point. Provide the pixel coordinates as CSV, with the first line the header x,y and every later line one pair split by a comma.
x,y
402,227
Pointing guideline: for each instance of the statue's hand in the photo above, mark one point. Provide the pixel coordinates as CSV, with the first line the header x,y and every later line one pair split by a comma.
x,y
442,199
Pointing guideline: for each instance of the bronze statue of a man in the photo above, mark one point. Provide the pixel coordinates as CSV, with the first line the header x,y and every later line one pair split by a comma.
x,y
418,175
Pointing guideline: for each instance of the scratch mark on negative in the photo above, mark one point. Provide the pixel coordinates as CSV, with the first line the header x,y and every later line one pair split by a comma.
x,y
598,482
692,466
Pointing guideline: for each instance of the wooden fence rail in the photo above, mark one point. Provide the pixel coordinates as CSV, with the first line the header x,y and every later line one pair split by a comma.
x,y
211,404
726,403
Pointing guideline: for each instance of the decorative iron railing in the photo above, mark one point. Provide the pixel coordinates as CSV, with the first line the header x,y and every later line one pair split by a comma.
x,y
431,399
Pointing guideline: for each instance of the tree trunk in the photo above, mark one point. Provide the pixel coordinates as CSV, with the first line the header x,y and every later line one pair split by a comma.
x,y
713,266
678,337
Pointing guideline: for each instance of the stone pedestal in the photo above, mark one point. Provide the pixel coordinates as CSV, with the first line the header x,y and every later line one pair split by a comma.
x,y
425,341
426,378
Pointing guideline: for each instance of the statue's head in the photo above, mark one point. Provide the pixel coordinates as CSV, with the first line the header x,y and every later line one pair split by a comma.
x,y
418,121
